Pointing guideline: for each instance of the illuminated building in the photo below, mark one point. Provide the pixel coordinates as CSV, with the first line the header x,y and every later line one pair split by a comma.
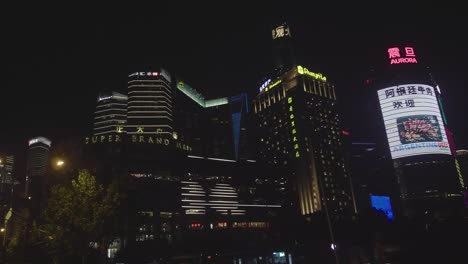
x,y
413,127
299,128
283,49
6,170
216,128
7,182
111,113
182,140
150,103
37,162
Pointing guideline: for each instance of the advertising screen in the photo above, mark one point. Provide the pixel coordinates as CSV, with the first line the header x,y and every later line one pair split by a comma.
x,y
413,121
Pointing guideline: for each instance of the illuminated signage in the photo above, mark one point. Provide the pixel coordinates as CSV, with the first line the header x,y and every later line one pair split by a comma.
x,y
460,175
265,84
139,139
42,140
148,74
270,85
280,32
292,120
413,120
304,71
397,57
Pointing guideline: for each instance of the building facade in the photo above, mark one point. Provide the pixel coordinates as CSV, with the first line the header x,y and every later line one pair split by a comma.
x,y
37,163
299,128
6,171
413,128
150,103
216,128
111,114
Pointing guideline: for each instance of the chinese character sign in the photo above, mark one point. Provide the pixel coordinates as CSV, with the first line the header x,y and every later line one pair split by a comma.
x,y
401,56
413,121
280,32
294,135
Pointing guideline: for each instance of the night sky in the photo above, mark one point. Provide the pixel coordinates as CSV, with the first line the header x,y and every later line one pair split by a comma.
x,y
57,59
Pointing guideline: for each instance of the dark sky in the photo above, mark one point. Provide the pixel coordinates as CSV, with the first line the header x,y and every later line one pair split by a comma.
x,y
57,58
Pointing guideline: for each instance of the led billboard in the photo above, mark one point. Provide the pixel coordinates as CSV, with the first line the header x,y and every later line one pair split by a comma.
x,y
413,121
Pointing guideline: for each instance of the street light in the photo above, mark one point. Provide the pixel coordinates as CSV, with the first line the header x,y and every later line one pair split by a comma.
x,y
60,163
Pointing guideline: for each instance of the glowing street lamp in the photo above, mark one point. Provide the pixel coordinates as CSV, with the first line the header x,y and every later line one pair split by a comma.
x,y
60,163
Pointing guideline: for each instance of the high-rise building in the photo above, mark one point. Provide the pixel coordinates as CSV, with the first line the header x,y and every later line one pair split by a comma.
x,y
299,128
37,162
150,103
216,128
413,128
111,113
6,170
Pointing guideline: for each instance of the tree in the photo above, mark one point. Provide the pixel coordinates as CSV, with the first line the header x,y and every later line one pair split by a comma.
x,y
77,214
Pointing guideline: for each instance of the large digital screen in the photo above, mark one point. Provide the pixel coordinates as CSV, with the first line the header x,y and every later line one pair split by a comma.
x,y
413,121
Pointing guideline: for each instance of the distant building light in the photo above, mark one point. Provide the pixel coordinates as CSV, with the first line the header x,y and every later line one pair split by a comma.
x,y
42,140
195,157
346,133
228,160
104,98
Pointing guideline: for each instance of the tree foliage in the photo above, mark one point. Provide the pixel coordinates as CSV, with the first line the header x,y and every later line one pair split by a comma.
x,y
77,213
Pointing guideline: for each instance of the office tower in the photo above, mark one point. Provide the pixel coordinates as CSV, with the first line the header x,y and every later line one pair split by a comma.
x,y
111,113
7,183
150,103
215,128
6,170
36,164
299,128
414,130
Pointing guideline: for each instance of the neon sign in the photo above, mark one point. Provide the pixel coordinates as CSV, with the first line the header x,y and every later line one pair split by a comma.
x,y
280,32
265,84
137,139
144,74
395,56
270,85
293,128
304,71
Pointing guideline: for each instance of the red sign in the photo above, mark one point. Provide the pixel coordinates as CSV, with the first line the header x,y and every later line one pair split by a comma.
x,y
396,57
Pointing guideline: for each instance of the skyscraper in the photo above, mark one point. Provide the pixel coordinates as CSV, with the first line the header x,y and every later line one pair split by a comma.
x,y
111,113
150,103
215,128
6,170
37,162
299,128
413,128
